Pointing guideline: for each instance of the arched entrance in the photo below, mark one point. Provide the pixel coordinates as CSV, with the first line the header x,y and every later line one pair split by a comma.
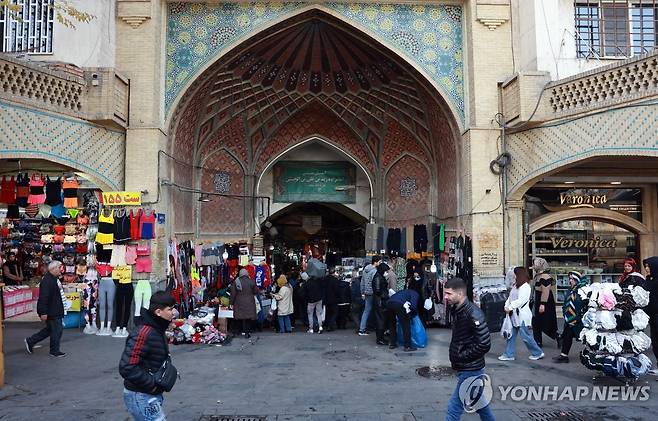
x,y
316,81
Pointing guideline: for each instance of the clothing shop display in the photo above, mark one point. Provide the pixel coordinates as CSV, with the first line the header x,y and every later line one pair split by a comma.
x,y
124,299
70,188
142,295
106,295
118,255
105,233
147,226
613,329
37,195
53,191
121,226
8,190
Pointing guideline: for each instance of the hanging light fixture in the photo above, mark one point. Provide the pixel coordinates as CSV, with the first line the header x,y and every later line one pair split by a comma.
x,y
225,255
204,197
433,267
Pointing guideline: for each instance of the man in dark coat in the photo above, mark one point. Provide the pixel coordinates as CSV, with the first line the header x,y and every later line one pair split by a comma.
x,y
380,297
402,305
468,346
146,349
50,308
330,300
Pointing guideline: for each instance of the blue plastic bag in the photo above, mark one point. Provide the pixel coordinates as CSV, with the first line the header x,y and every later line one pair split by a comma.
x,y
418,334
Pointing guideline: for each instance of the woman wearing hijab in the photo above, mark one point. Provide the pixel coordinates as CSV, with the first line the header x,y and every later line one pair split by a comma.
x,y
284,305
517,307
544,317
380,298
573,309
631,276
243,293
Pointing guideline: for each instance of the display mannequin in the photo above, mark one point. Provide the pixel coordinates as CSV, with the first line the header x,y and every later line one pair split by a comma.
x,y
142,296
106,293
124,302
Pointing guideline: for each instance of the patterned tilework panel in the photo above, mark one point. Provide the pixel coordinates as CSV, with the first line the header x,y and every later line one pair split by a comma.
x,y
222,215
183,150
315,119
91,149
397,141
407,193
428,36
230,136
624,132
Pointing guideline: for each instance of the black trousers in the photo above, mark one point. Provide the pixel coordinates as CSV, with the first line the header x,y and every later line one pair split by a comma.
x,y
54,329
396,310
653,327
379,314
343,316
331,316
567,338
124,300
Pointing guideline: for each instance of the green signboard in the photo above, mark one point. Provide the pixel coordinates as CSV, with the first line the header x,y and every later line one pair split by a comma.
x,y
303,181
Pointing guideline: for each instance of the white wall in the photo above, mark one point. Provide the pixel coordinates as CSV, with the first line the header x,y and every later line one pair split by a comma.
x,y
318,151
544,38
90,44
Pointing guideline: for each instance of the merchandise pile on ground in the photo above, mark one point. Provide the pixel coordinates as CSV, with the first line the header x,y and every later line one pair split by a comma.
x,y
198,328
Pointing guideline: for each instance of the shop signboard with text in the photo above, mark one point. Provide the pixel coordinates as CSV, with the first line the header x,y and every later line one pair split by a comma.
x,y
543,200
122,198
303,181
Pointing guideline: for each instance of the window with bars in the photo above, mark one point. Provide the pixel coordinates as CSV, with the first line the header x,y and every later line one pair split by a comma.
x,y
616,28
29,29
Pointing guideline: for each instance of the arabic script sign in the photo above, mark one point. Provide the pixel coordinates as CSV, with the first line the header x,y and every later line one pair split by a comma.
x,y
314,181
122,198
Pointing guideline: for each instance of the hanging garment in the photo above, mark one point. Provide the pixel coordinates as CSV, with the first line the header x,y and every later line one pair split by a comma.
x,y
371,237
22,189
134,224
8,193
147,226
121,226
53,191
142,295
37,195
380,239
105,233
118,256
420,238
70,188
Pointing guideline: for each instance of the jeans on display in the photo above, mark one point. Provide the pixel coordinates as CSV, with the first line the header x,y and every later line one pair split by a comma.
x,y
366,313
54,329
144,407
314,309
529,341
284,324
455,406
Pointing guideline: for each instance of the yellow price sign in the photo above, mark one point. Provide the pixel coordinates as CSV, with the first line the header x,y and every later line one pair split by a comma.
x,y
122,198
74,298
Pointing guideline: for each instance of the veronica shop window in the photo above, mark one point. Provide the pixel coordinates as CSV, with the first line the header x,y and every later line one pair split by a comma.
x,y
28,28
615,28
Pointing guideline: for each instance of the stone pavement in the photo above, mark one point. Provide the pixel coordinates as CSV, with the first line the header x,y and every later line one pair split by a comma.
x,y
334,376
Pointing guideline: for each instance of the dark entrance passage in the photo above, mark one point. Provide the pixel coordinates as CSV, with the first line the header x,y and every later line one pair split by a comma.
x,y
330,228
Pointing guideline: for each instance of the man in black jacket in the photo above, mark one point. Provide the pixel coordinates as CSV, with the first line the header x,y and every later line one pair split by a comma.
x,y
380,297
146,349
50,308
470,342
402,305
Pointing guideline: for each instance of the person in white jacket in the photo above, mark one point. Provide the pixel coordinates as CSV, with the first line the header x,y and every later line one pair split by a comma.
x,y
284,305
517,307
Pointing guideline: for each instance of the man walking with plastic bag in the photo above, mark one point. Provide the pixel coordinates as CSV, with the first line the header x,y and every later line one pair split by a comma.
x,y
402,305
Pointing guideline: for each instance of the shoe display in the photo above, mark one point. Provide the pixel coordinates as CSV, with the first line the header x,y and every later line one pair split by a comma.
x,y
90,330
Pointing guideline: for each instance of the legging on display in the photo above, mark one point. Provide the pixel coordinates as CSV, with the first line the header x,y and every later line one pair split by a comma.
x,y
142,295
124,301
106,292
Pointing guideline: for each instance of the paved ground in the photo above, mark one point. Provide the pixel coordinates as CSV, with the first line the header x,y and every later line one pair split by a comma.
x,y
334,376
